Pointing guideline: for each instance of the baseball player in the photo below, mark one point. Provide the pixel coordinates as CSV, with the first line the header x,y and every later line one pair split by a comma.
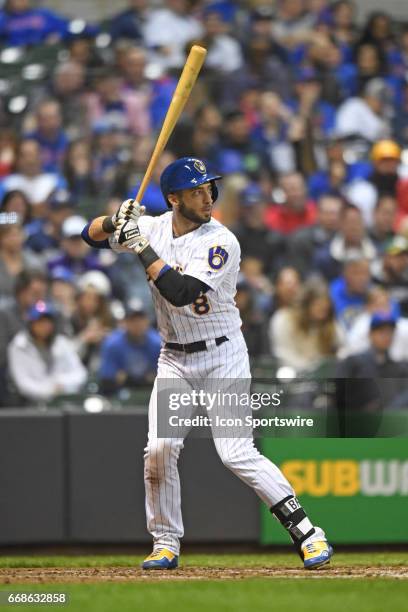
x,y
192,263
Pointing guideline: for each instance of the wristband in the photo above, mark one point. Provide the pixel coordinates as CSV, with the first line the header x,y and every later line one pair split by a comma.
x,y
108,225
164,269
148,256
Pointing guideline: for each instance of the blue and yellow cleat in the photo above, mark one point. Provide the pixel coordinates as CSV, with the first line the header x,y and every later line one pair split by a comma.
x,y
162,558
316,554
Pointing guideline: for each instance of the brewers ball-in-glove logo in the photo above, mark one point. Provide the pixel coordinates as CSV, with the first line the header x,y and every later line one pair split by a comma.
x,y
217,257
198,165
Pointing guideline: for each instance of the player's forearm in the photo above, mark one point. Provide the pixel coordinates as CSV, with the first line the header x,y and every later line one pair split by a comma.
x,y
155,268
101,228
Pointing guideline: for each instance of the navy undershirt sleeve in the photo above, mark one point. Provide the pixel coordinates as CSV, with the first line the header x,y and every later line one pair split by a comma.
x,y
180,289
97,244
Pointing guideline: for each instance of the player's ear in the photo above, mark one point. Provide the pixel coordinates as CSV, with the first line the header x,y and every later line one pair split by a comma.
x,y
173,199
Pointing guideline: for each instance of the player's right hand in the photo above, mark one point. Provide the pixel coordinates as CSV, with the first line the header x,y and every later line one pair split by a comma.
x,y
130,210
128,234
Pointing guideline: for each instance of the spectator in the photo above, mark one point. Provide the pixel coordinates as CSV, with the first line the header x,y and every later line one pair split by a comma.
x,y
13,258
384,221
223,51
371,63
253,320
50,136
168,30
391,272
338,169
111,103
30,287
20,24
8,150
292,26
273,134
350,290
286,288
130,172
36,184
16,201
317,113
343,28
75,255
109,137
383,383
63,295
92,319
333,74
378,32
201,136
305,242
130,22
263,67
238,152
363,116
382,180
252,270
44,364
82,50
255,239
303,335
155,203
129,355
132,62
67,88
154,94
358,337
295,210
44,235
351,241
78,171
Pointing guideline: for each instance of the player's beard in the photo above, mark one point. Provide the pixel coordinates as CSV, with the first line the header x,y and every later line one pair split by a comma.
x,y
192,215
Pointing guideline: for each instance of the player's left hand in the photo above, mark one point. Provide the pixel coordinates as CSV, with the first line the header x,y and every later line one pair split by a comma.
x,y
130,210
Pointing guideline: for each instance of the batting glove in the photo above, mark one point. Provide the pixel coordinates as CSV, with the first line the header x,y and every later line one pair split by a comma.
x,y
128,234
130,210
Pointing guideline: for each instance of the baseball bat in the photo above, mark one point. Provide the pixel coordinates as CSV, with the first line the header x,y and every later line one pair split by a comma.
x,y
181,94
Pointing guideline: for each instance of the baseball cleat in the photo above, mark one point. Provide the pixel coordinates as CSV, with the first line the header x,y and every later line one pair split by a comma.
x,y
162,558
316,554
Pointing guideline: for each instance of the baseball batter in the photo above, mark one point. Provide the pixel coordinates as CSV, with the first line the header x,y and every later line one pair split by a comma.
x,y
192,262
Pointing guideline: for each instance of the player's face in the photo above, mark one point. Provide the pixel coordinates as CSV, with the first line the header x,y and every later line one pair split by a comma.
x,y
196,204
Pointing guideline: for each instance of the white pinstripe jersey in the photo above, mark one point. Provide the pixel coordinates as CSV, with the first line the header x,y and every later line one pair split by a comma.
x,y
210,253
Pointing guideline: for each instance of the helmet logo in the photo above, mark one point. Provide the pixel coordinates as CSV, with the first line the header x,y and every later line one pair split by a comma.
x,y
198,165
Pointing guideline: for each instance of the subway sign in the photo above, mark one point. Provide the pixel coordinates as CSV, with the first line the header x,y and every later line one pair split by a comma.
x,y
347,477
355,489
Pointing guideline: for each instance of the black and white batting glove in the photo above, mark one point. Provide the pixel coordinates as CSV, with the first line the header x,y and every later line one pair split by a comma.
x,y
130,210
128,234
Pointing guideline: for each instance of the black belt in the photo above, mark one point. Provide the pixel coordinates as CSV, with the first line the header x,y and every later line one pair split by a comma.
x,y
194,347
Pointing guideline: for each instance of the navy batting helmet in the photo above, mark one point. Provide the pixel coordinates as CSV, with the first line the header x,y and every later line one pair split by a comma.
x,y
187,173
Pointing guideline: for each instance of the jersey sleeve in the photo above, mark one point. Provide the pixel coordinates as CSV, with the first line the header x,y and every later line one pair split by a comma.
x,y
220,255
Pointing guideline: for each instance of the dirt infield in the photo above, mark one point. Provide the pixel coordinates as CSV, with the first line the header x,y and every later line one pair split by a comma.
x,y
119,574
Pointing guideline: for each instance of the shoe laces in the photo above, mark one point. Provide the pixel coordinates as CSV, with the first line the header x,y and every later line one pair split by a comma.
x,y
311,548
156,552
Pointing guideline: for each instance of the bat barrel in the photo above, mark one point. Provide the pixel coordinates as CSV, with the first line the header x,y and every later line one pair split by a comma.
x,y
181,94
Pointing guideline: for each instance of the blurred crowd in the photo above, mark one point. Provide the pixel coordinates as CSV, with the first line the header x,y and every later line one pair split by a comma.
x,y
301,106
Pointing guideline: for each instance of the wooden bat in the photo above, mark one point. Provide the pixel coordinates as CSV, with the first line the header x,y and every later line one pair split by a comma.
x,y
182,92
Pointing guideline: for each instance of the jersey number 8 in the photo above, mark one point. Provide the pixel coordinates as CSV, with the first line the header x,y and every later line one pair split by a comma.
x,y
201,305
